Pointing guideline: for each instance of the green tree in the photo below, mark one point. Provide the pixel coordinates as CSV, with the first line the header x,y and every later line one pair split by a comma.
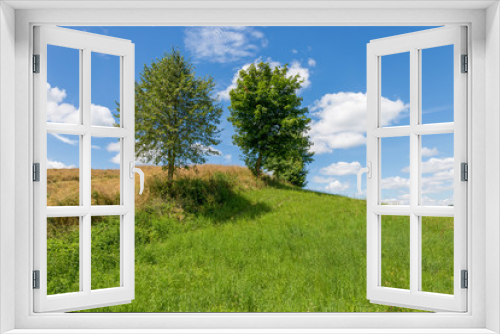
x,y
177,114
292,166
270,123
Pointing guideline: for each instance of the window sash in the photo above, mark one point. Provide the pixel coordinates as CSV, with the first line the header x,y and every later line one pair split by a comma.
x,y
413,43
87,43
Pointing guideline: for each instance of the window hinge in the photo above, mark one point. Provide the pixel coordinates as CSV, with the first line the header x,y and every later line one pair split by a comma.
x,y
464,172
36,172
465,279
36,63
465,64
36,279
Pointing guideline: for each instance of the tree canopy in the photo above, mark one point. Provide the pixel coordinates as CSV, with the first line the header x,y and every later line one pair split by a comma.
x,y
177,114
270,123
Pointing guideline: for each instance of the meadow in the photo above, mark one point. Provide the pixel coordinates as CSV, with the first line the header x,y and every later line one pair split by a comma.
x,y
220,240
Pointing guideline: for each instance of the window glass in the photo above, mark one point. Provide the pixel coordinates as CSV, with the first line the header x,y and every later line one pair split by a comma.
x,y
395,252
106,172
437,254
437,84
63,170
395,170
395,90
105,90
105,252
437,170
63,255
63,85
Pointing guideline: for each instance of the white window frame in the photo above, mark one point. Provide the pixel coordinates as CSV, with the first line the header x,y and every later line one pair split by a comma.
x,y
482,19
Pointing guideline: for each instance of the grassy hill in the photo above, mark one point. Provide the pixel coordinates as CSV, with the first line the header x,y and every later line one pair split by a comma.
x,y
221,241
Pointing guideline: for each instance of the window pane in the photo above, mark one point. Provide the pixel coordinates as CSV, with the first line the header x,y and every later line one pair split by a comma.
x,y
395,251
395,90
105,252
63,85
105,171
63,170
437,254
394,165
437,169
437,84
105,89
63,255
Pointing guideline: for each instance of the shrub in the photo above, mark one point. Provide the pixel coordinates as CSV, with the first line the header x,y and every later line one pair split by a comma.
x,y
195,195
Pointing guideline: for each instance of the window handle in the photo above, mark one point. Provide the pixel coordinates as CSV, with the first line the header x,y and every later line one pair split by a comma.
x,y
368,171
132,170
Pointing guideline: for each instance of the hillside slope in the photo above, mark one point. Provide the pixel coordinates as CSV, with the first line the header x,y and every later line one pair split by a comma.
x,y
222,241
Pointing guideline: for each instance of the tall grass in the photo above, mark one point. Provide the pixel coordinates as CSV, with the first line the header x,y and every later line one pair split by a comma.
x,y
218,240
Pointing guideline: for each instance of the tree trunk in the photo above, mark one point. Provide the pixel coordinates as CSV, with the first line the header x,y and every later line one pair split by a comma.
x,y
258,165
171,166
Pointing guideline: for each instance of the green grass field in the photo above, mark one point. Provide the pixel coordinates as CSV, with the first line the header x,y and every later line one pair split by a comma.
x,y
221,244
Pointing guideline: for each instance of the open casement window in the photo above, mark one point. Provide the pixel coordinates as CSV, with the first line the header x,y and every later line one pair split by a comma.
x,y
96,273
415,215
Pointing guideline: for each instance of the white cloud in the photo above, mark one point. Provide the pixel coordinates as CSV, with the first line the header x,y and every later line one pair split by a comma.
x,y
55,94
439,181
60,112
445,175
227,157
326,143
95,147
404,197
64,139
395,182
436,202
341,168
434,165
116,159
206,150
294,69
223,44
311,62
57,111
51,164
294,51
341,120
297,69
321,179
114,147
101,116
429,152
400,200
336,186
390,201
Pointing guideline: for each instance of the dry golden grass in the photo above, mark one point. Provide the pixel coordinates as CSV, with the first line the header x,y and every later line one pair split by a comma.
x,y
63,184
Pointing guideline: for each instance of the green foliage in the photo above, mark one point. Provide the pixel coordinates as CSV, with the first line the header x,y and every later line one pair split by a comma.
x,y
195,195
291,167
177,115
105,252
270,123
63,255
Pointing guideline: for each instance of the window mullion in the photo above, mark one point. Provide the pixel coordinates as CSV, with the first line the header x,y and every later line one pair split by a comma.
x,y
86,241
415,243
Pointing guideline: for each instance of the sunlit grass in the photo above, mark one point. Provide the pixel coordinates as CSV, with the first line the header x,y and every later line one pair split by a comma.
x,y
254,247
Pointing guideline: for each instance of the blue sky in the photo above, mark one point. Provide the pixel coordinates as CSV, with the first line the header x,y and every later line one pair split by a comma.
x,y
332,63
